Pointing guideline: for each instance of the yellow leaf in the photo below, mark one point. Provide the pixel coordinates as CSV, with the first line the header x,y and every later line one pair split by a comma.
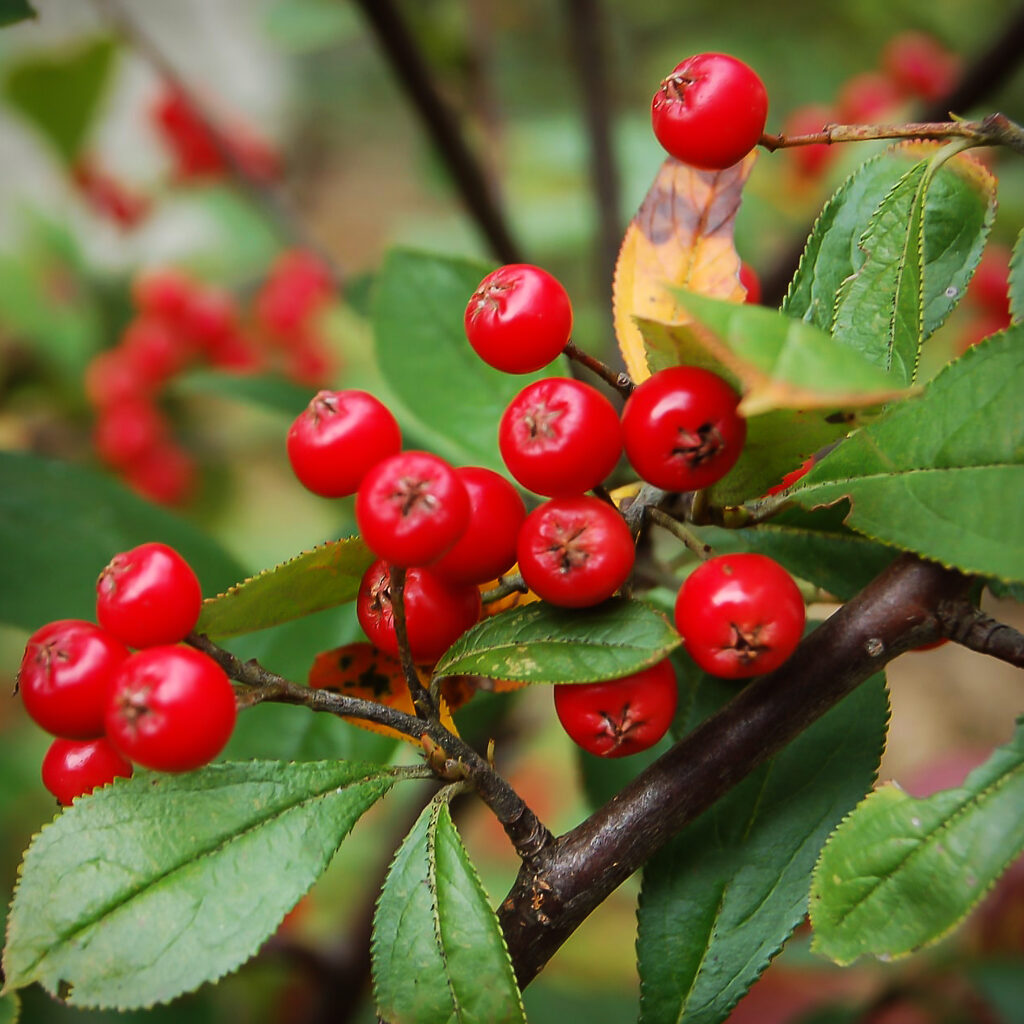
x,y
681,237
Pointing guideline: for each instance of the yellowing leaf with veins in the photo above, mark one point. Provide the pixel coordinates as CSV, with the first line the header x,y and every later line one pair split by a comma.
x,y
681,237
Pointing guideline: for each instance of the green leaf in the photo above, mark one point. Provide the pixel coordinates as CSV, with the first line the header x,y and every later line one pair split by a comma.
x,y
958,212
539,643
941,474
10,1008
59,526
150,887
718,902
900,873
438,952
454,398
268,390
878,309
12,11
324,577
61,94
813,546
1017,280
777,362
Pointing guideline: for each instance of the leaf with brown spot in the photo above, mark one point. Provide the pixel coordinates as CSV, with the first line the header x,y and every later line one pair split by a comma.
x,y
681,237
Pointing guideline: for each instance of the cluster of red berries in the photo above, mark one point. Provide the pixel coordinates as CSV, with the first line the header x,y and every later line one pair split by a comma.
x,y
126,690
180,323
453,529
107,194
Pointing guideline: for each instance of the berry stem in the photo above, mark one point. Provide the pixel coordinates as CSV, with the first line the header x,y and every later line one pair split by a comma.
x,y
621,382
969,626
509,584
994,130
678,529
422,701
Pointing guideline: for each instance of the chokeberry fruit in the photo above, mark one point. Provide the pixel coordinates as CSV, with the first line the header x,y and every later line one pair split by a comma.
x,y
148,596
622,716
519,318
681,428
171,708
710,111
560,437
575,552
739,615
73,768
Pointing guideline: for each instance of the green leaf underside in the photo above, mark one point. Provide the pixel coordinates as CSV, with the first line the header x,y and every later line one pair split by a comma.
x,y
10,1008
942,474
60,524
900,873
719,901
1016,282
958,212
61,94
878,310
812,546
438,952
12,11
152,886
454,397
324,577
539,643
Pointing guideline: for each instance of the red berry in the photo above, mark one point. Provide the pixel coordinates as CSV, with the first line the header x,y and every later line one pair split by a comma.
x,y
751,282
437,612
488,547
308,361
165,474
73,768
112,378
298,286
155,349
126,430
107,195
867,97
681,429
560,437
619,716
920,65
148,596
66,675
171,709
990,285
519,318
412,508
163,292
210,316
575,552
739,615
338,438
710,111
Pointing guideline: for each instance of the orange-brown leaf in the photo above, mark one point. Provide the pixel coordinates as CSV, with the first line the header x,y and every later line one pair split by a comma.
x,y
682,237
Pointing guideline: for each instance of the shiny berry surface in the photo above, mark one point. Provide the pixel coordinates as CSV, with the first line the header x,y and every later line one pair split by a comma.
x,y
148,596
681,429
575,552
710,111
437,612
739,615
338,438
66,674
412,508
519,318
171,708
622,716
560,437
73,768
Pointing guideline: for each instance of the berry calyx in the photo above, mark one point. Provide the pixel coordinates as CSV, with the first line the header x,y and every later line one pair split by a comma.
x,y
437,612
171,708
148,596
66,674
338,438
710,111
575,552
72,768
411,508
739,615
560,437
619,717
519,318
487,548
681,429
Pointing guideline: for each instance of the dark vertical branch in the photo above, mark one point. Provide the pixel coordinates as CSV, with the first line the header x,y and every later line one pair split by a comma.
x,y
410,68
587,42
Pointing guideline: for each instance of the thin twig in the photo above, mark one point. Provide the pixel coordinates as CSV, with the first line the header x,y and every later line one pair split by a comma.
x,y
619,380
507,585
969,626
266,197
680,531
421,698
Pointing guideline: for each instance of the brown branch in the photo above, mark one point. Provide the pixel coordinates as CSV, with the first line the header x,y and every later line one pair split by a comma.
x,y
555,892
965,624
421,699
620,380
